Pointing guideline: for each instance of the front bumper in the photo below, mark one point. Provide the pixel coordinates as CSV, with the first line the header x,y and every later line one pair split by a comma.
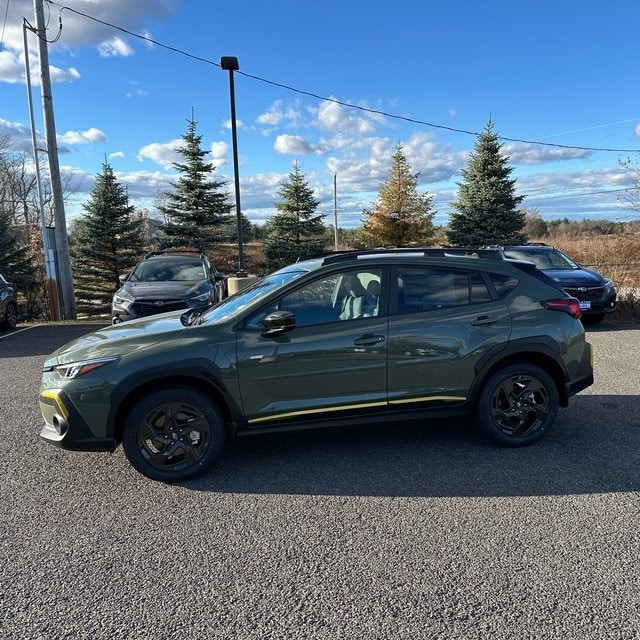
x,y
65,428
594,300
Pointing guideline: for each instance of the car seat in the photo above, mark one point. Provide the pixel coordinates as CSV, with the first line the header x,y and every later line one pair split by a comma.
x,y
354,300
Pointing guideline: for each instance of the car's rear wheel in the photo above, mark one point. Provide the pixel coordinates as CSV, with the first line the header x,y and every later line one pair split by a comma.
x,y
173,434
11,316
518,405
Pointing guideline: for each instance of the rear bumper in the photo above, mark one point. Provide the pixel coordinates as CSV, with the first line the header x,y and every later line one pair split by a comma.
x,y
584,375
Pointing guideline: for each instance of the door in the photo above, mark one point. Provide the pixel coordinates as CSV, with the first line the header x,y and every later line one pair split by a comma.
x,y
332,364
442,322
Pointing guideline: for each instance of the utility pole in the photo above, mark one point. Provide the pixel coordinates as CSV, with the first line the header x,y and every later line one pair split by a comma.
x,y
335,211
62,238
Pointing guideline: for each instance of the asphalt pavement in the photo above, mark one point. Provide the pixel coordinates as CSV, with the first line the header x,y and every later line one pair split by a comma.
x,y
387,532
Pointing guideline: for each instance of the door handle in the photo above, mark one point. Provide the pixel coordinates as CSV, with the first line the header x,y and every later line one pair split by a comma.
x,y
484,320
368,340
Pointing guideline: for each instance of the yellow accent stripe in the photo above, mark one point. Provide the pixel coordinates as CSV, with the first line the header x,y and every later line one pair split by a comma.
x,y
52,394
307,412
429,399
294,414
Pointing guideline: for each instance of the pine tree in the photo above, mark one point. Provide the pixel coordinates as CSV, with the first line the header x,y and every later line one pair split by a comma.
x,y
401,217
198,212
487,207
296,230
107,241
15,263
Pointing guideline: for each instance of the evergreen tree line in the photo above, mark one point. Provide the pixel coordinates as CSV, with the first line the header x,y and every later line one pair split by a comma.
x,y
197,214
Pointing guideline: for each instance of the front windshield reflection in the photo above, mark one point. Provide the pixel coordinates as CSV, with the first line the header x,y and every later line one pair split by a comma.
x,y
235,304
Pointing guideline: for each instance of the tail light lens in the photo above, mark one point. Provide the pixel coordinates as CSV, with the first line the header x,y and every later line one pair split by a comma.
x,y
568,305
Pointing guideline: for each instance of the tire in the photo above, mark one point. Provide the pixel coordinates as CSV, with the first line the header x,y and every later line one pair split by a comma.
x,y
173,434
517,405
10,317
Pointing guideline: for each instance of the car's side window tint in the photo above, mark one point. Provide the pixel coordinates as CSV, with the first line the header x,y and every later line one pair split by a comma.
x,y
342,296
478,291
423,289
504,284
359,294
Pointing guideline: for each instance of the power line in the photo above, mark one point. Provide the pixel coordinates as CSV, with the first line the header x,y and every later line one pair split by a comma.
x,y
334,100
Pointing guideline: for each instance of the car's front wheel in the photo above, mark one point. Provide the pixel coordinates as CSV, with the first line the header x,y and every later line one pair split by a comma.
x,y
173,434
11,316
518,405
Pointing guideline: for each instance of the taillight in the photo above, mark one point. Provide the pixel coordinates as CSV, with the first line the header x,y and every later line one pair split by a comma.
x,y
568,305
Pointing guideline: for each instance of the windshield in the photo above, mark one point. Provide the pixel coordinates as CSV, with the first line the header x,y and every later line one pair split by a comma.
x,y
543,259
159,270
235,304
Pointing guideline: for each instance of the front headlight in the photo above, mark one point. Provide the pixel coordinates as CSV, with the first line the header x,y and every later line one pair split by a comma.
x,y
203,297
76,369
121,296
609,283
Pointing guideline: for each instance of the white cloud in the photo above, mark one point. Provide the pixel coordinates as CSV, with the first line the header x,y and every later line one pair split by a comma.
x,y
227,124
530,154
162,153
278,113
89,136
636,131
337,117
115,48
295,145
117,154
219,151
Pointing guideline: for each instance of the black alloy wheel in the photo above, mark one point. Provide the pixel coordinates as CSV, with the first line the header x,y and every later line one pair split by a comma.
x,y
11,316
173,434
518,405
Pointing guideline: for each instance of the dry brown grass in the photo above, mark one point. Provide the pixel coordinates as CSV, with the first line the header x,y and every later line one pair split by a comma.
x,y
614,256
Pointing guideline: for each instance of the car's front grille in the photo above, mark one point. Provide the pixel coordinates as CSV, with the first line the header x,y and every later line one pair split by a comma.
x,y
586,293
149,307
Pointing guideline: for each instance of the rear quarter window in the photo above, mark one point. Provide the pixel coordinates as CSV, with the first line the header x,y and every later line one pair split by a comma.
x,y
503,284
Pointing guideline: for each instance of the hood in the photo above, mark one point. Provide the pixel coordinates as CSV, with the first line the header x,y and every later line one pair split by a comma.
x,y
119,339
162,290
575,277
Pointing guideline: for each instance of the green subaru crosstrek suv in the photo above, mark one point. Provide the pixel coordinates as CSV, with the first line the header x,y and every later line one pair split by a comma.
x,y
347,338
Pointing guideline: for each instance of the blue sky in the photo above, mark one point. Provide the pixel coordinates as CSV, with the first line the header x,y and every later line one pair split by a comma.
x,y
335,86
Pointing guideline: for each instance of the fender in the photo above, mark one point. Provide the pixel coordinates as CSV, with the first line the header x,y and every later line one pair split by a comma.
x,y
201,371
542,345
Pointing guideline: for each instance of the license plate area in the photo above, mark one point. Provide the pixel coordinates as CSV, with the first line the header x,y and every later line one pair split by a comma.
x,y
585,305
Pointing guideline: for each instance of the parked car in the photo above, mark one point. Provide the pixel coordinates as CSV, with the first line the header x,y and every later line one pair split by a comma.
x,y
8,305
597,294
168,281
344,339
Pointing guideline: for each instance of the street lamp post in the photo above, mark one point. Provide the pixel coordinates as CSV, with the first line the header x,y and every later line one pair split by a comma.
x,y
230,64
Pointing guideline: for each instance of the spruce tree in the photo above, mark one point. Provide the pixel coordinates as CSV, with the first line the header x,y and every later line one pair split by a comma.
x,y
108,239
401,216
15,262
197,213
487,207
296,230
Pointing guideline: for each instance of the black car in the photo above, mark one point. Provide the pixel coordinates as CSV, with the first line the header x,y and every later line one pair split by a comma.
x,y
8,305
168,281
597,294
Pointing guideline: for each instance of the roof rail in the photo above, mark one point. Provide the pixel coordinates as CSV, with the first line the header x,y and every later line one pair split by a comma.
x,y
468,252
151,254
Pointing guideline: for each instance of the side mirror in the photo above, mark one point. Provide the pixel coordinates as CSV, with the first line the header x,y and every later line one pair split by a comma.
x,y
123,278
278,322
